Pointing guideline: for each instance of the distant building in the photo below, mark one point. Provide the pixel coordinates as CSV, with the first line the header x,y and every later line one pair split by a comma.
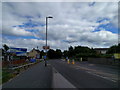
x,y
34,53
101,50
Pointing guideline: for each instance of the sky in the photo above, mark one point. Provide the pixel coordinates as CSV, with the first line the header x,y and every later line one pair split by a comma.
x,y
92,24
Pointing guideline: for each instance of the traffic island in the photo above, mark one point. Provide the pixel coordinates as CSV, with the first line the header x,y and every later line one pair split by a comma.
x,y
59,81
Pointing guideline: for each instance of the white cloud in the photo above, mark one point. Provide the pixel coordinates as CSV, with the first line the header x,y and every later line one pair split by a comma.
x,y
16,32
72,22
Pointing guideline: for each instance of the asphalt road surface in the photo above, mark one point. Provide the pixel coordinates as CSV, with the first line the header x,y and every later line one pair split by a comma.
x,y
80,77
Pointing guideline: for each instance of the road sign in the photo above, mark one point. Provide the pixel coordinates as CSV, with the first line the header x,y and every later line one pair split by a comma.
x,y
46,47
44,57
117,55
18,51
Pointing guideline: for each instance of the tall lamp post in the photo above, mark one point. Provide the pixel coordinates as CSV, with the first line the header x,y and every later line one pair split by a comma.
x,y
46,38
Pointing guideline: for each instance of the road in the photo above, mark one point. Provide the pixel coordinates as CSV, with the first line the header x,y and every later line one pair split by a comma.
x,y
80,77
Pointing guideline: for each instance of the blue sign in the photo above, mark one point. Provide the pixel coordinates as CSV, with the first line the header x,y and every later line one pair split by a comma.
x,y
18,51
44,57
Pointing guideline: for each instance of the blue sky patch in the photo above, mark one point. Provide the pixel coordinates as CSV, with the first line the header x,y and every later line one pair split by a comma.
x,y
21,37
30,24
108,27
99,20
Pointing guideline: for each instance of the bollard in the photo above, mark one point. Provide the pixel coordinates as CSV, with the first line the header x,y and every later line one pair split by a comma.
x,y
73,62
81,59
68,61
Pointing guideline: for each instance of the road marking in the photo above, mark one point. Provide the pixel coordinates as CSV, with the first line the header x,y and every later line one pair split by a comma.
x,y
63,59
104,74
98,73
101,76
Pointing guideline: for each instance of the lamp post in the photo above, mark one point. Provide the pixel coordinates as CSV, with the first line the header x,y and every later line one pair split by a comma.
x,y
46,38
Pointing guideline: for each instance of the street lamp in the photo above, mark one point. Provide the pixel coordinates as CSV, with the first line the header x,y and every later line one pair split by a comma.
x,y
46,38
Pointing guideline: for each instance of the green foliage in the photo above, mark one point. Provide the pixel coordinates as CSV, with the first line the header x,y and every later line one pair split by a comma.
x,y
42,53
65,53
114,49
51,54
6,76
54,54
79,51
58,53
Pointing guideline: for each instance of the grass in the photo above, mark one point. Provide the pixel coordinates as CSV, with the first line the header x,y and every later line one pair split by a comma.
x,y
6,76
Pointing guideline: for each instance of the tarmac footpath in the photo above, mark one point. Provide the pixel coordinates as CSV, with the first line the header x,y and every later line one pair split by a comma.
x,y
37,76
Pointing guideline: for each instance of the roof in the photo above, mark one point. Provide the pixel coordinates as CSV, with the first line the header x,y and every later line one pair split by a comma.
x,y
37,51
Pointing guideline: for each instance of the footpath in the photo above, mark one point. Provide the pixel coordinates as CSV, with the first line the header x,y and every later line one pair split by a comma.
x,y
37,76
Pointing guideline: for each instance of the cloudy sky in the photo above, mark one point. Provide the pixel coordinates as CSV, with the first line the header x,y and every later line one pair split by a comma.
x,y
93,24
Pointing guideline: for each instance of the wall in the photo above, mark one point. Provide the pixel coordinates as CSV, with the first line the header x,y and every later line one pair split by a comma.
x,y
15,62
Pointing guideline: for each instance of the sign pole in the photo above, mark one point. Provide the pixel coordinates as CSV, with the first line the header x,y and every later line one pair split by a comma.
x,y
46,44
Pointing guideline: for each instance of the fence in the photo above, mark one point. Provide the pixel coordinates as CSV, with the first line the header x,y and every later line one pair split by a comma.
x,y
109,61
14,62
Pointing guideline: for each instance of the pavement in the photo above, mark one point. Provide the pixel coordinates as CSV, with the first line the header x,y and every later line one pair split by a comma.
x,y
37,76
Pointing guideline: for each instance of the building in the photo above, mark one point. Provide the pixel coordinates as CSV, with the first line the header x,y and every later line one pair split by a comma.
x,y
101,50
34,53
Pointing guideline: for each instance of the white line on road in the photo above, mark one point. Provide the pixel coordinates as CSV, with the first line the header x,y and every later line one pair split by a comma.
x,y
99,73
101,76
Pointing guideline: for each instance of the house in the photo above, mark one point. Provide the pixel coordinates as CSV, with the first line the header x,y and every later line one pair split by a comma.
x,y
101,50
34,53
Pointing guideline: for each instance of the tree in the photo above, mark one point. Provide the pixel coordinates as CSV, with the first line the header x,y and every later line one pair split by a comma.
x,y
114,49
65,53
71,52
42,53
51,54
58,53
